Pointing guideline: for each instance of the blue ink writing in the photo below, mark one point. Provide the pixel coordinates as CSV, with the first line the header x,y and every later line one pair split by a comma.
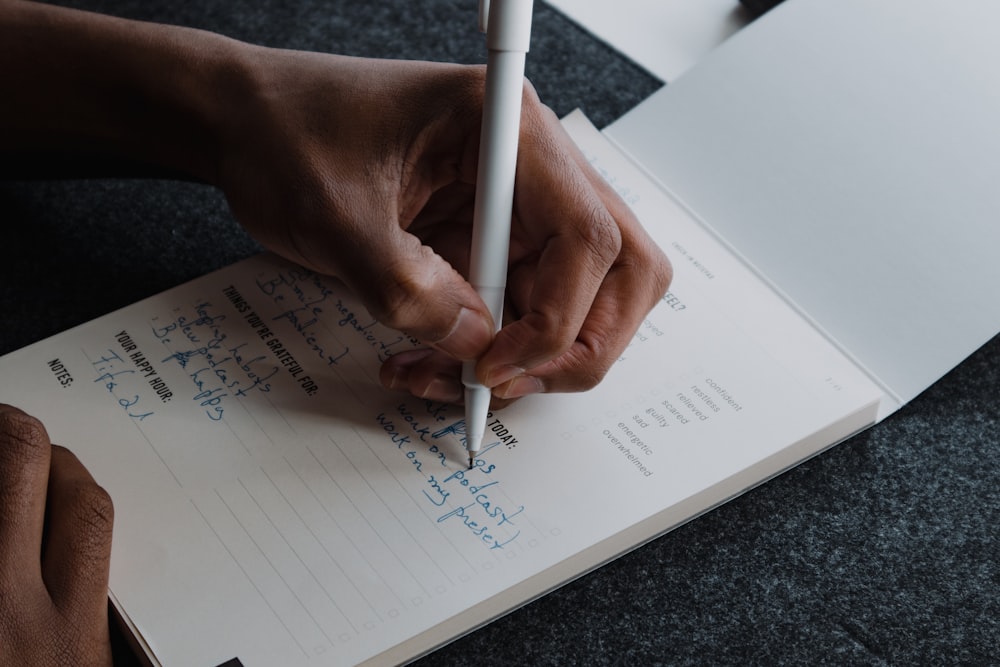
x,y
112,371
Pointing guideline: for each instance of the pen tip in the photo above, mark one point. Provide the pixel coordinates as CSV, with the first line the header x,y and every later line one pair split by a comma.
x,y
471,461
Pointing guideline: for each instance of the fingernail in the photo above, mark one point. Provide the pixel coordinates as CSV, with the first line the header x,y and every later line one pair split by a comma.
x,y
521,386
501,374
398,378
399,366
469,336
443,388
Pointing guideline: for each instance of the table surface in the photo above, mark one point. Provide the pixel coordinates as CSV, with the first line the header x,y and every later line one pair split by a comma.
x,y
884,549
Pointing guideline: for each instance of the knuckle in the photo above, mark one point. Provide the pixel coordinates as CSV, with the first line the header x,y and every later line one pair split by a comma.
x,y
582,368
600,246
94,510
601,238
659,270
401,293
537,117
23,439
594,364
647,262
662,269
547,336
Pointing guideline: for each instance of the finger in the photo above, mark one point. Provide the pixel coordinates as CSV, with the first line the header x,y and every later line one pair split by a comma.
x,y
578,240
77,555
430,375
401,281
416,291
593,336
24,465
620,307
426,374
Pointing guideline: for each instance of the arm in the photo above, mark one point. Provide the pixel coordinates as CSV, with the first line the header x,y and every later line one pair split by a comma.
x,y
88,94
359,168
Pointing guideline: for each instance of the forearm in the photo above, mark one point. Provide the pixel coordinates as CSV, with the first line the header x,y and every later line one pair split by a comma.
x,y
81,88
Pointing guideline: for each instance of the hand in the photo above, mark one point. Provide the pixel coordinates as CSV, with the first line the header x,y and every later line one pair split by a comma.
x,y
365,169
55,551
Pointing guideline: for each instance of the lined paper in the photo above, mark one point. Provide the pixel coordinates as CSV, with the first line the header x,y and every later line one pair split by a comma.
x,y
274,503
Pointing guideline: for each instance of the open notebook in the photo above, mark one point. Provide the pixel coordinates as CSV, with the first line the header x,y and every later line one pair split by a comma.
x,y
276,506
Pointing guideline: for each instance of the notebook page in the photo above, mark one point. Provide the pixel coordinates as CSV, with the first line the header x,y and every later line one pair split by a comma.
x,y
275,504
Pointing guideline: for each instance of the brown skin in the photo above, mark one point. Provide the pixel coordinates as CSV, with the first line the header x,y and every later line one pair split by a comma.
x,y
353,167
55,551
399,188
358,168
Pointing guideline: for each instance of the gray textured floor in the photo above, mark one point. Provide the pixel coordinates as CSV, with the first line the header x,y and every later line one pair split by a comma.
x,y
884,550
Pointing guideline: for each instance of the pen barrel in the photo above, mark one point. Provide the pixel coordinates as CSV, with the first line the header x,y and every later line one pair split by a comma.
x,y
507,37
507,24
495,177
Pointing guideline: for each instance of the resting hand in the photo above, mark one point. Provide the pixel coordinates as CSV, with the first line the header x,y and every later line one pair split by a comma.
x,y
55,549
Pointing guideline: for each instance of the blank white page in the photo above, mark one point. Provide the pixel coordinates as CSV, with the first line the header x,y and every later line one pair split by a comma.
x,y
849,152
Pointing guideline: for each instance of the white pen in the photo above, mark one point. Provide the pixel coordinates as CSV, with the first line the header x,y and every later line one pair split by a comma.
x,y
507,24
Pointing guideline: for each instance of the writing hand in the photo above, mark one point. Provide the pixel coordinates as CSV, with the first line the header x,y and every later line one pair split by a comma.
x,y
365,169
360,168
55,549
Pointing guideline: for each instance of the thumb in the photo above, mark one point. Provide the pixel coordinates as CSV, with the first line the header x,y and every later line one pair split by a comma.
x,y
409,287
